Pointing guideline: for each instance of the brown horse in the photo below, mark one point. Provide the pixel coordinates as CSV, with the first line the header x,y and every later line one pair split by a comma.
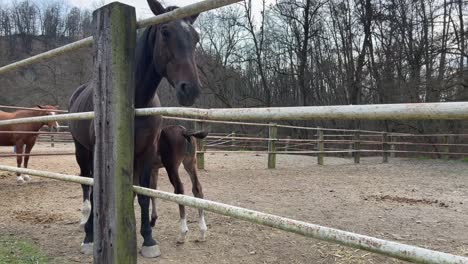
x,y
177,145
24,142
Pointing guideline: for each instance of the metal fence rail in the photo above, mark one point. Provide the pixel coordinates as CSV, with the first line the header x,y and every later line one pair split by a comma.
x,y
372,244
448,111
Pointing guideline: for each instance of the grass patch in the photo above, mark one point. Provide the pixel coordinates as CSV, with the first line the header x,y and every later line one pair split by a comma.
x,y
465,160
423,158
17,251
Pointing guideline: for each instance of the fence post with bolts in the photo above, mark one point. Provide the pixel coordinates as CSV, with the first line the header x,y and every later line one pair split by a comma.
x,y
114,92
272,136
201,147
320,146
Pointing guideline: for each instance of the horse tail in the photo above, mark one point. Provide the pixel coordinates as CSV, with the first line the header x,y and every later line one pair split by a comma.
x,y
198,134
190,146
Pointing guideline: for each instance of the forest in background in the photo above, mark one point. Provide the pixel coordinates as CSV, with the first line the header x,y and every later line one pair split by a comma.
x,y
294,53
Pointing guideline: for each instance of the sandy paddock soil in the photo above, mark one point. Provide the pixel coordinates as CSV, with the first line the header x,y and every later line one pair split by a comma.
x,y
418,202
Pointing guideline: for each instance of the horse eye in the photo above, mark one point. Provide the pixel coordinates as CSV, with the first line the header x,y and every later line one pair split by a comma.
x,y
165,33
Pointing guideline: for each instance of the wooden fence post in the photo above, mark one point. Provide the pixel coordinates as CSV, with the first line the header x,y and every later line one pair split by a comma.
x,y
286,147
446,148
320,146
392,147
233,141
357,148
114,89
385,148
201,147
52,137
272,135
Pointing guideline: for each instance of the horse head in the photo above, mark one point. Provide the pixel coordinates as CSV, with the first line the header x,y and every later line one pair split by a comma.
x,y
174,54
53,109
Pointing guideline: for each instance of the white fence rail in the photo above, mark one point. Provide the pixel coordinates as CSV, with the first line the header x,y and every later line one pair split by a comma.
x,y
449,111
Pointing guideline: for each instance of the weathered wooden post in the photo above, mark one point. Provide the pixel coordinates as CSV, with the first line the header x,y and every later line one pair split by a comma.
x,y
233,140
286,147
446,148
357,148
52,138
385,148
320,146
392,147
199,125
272,136
114,51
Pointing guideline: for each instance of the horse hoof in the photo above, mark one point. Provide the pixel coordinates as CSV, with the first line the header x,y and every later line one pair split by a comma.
x,y
87,248
19,180
182,237
150,252
26,177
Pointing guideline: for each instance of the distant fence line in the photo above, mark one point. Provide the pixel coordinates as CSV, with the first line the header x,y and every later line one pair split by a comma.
x,y
244,143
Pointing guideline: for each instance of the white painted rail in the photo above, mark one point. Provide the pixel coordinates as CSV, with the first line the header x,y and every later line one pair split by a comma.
x,y
430,111
419,111
376,245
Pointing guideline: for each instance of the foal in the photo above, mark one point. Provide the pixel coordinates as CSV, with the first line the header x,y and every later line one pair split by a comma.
x,y
177,145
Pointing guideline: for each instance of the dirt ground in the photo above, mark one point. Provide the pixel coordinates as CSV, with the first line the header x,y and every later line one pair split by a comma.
x,y
417,202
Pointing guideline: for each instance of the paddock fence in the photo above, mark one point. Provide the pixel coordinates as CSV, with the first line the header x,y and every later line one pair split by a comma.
x,y
114,227
320,142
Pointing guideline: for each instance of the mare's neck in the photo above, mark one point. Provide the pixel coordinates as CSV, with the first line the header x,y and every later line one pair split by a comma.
x,y
27,113
146,78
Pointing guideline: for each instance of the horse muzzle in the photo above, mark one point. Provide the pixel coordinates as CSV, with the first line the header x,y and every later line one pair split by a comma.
x,y
187,93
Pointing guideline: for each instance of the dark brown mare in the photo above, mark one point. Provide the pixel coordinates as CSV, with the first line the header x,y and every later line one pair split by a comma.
x,y
23,141
166,50
177,145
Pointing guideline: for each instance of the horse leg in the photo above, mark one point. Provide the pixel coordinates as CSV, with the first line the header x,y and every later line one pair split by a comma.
x,y
19,160
84,159
143,168
27,151
190,168
87,244
173,173
154,186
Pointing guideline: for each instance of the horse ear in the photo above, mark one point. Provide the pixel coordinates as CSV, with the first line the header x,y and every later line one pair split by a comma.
x,y
156,7
40,106
193,18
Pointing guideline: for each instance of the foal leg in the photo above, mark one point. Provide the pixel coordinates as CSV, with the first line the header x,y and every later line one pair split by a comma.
x,y
27,151
19,160
154,186
172,172
190,168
